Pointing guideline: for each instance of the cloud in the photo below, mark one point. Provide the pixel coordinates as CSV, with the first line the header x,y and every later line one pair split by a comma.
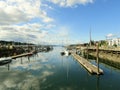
x,y
24,33
58,36
24,20
26,80
35,33
48,6
70,3
49,26
110,35
17,11
29,21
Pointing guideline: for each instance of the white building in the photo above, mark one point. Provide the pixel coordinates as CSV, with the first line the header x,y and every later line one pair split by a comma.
x,y
115,41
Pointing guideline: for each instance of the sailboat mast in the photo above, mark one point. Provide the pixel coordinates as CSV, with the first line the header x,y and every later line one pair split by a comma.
x,y
90,37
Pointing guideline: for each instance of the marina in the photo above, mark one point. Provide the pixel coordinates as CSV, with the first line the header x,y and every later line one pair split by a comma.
x,y
51,71
59,45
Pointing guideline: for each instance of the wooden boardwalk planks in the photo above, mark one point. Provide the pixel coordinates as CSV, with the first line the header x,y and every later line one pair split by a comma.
x,y
89,66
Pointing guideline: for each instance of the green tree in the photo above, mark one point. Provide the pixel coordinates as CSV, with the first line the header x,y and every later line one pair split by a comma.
x,y
115,45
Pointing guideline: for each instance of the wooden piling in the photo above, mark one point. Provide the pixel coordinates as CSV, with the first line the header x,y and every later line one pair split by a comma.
x,y
8,67
97,56
21,61
87,52
28,58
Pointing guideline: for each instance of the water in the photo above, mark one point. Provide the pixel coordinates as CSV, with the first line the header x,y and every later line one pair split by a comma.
x,y
51,71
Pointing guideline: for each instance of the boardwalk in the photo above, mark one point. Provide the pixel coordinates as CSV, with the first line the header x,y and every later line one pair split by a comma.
x,y
90,67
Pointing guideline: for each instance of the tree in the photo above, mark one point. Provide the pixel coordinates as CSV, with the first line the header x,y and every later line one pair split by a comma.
x,y
103,43
115,45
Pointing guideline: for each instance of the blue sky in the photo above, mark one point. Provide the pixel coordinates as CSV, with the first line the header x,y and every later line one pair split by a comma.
x,y
59,21
101,16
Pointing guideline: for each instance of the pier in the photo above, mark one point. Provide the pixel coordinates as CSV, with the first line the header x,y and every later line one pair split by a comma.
x,y
22,55
88,66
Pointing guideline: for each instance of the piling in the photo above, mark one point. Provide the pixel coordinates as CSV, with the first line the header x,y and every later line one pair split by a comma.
x,y
97,56
87,52
8,67
21,61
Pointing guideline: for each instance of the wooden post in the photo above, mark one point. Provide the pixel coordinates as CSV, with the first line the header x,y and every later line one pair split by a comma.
x,y
82,53
97,56
98,84
87,52
90,38
28,58
76,50
8,67
21,61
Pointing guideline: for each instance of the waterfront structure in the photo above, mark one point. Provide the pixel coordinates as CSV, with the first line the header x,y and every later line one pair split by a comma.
x,y
93,69
112,42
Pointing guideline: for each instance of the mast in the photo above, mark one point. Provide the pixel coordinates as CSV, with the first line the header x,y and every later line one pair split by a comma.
x,y
90,37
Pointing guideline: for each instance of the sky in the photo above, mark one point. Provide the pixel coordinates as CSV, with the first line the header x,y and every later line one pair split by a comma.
x,y
59,21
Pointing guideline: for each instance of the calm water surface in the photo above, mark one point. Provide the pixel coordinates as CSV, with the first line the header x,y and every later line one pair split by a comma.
x,y
51,71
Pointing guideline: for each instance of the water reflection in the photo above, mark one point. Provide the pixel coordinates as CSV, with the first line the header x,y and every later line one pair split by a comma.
x,y
97,86
23,72
14,79
51,71
8,67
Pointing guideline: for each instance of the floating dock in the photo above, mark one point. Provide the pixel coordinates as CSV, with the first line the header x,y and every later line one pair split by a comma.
x,y
22,55
88,66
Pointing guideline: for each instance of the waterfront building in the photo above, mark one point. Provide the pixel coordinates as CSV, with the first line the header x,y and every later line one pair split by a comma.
x,y
112,42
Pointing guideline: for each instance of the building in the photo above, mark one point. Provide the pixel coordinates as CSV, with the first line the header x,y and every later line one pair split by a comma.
x,y
112,42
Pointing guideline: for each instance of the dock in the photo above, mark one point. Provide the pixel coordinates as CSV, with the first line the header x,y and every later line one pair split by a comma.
x,y
88,66
22,55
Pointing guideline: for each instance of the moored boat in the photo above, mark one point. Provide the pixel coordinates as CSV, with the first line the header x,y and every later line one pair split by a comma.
x,y
4,61
66,53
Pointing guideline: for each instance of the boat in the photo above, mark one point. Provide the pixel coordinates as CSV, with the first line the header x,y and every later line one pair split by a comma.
x,y
4,61
62,53
66,53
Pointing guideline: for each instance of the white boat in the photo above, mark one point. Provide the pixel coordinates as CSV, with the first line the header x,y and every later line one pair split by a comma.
x,y
5,60
66,53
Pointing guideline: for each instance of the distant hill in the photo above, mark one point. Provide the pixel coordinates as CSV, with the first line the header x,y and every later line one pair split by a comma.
x,y
13,43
